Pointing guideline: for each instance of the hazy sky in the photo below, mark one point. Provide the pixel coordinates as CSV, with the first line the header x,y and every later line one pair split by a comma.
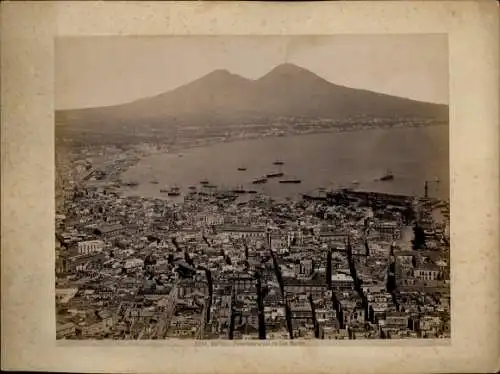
x,y
100,71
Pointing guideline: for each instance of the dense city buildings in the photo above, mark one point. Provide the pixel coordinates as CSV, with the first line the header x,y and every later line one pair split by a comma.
x,y
218,263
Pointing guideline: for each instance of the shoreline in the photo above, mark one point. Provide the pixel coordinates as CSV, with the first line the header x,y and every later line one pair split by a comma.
x,y
177,149
140,151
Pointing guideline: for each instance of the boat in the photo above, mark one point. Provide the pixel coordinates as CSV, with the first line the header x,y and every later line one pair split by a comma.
x,y
260,180
192,187
274,175
387,176
295,181
204,181
278,162
355,182
241,168
252,191
154,181
131,184
238,190
173,191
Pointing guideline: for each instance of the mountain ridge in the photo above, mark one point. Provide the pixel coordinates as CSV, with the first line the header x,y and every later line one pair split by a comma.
x,y
222,98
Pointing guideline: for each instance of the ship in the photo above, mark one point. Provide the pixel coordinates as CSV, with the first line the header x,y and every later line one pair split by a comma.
x,y
204,181
239,190
278,162
260,180
154,181
131,184
173,191
295,181
242,168
387,177
274,175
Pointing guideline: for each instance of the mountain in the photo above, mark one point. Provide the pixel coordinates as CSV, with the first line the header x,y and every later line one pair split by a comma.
x,y
224,99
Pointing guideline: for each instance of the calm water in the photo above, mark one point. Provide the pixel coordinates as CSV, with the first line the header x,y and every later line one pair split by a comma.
x,y
413,155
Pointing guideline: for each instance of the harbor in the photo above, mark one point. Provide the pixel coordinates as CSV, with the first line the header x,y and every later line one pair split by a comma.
x,y
371,170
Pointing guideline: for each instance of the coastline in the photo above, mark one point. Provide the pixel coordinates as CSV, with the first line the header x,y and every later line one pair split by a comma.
x,y
179,148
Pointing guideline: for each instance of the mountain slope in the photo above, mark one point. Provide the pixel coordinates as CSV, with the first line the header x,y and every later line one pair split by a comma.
x,y
221,99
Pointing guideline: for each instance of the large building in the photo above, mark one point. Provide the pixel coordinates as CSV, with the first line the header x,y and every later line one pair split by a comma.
x,y
90,246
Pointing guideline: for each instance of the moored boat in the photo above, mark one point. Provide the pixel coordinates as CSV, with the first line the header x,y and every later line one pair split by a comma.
x,y
260,180
275,175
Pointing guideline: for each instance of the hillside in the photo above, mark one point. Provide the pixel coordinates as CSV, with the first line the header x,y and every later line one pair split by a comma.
x,y
222,99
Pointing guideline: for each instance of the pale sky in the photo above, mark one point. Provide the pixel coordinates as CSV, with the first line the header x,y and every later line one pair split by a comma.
x,y
101,71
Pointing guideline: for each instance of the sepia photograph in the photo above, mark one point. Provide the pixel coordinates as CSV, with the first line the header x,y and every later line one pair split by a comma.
x,y
249,187
252,187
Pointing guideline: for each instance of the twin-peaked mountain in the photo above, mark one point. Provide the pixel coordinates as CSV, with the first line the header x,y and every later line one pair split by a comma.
x,y
222,99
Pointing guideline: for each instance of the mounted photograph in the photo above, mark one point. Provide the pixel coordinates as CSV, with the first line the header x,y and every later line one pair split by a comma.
x,y
252,187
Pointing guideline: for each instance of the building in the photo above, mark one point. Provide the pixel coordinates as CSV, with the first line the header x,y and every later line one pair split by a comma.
x,y
109,231
64,295
236,231
396,320
427,272
90,246
342,282
306,267
316,287
65,330
388,229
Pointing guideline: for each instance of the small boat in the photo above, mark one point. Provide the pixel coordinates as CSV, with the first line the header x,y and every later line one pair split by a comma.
x,y
131,183
204,181
173,193
192,187
261,180
355,182
295,181
239,190
154,181
274,175
252,191
387,176
242,168
278,162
